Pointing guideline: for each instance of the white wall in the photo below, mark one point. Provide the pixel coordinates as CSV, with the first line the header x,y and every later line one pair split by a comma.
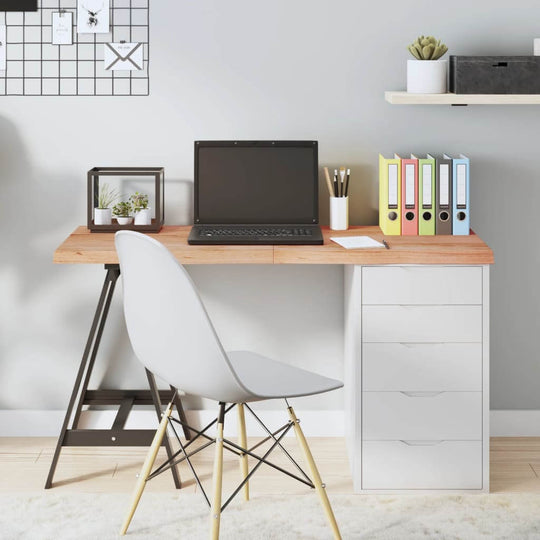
x,y
241,69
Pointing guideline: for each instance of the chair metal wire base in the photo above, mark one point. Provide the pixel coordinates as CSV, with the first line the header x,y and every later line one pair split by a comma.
x,y
276,436
216,505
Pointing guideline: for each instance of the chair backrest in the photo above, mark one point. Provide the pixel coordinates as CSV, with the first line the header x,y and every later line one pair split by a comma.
x,y
167,323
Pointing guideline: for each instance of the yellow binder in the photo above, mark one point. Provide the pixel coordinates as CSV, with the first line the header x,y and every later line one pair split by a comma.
x,y
390,195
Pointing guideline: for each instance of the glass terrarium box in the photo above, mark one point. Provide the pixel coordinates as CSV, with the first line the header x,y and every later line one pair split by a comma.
x,y
126,198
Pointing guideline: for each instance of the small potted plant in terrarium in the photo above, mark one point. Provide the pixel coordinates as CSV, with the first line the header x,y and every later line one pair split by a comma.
x,y
141,210
106,198
427,74
121,212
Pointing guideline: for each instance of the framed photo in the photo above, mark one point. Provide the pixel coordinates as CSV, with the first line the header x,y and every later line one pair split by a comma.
x,y
92,16
18,5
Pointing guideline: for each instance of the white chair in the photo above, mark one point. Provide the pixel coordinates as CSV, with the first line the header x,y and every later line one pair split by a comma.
x,y
172,335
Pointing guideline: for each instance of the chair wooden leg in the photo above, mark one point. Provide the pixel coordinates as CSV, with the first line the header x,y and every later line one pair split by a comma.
x,y
215,513
242,441
319,486
147,467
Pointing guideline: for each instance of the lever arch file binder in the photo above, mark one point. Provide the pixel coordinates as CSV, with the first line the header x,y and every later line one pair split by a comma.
x,y
460,195
390,195
409,196
426,196
443,193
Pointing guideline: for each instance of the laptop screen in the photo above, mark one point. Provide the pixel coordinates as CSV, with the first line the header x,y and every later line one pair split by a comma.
x,y
266,182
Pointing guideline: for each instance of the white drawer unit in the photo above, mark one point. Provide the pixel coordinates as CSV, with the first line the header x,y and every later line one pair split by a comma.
x,y
417,353
396,416
389,465
421,285
422,367
422,324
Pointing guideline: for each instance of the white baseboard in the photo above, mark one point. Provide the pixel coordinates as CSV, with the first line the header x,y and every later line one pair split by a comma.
x,y
515,423
25,423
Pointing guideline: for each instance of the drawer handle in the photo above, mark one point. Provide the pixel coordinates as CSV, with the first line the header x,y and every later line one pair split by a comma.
x,y
421,394
411,345
421,443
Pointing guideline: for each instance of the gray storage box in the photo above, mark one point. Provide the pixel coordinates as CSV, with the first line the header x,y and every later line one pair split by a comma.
x,y
495,74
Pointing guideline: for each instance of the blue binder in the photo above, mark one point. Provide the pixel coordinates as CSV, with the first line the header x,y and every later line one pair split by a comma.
x,y
461,196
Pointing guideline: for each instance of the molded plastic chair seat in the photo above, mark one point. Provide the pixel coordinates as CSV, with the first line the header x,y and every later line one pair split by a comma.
x,y
268,379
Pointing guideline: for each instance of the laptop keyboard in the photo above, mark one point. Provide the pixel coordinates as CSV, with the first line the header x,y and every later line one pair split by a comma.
x,y
255,232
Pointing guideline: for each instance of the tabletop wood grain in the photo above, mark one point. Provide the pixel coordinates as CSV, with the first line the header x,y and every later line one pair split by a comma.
x,y
83,247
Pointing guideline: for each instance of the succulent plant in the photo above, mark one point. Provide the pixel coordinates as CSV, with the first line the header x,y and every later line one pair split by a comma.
x,y
122,209
427,48
139,201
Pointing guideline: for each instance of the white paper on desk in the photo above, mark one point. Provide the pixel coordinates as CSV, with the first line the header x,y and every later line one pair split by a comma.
x,y
356,242
3,47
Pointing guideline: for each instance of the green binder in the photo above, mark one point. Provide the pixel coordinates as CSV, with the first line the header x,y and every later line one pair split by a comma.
x,y
426,196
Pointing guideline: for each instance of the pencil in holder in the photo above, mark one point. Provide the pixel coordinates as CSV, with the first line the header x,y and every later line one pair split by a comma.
x,y
339,213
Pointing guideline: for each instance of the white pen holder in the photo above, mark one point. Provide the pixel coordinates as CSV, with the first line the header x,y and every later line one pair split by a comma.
x,y
339,213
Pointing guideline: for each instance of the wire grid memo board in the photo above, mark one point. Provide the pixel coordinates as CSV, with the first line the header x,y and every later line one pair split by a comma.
x,y
35,67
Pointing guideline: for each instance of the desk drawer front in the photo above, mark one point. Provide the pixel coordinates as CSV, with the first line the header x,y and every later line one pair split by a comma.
x,y
422,324
424,465
422,285
422,367
422,416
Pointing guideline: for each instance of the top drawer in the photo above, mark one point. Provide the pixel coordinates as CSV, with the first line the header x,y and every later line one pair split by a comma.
x,y
421,285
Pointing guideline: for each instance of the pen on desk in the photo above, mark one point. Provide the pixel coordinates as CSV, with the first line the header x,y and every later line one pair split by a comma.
x,y
347,183
336,191
342,176
385,244
328,181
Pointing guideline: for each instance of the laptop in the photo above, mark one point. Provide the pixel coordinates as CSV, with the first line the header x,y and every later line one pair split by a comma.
x,y
256,192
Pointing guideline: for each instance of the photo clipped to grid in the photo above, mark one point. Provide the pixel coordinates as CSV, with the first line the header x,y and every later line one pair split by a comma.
x,y
108,63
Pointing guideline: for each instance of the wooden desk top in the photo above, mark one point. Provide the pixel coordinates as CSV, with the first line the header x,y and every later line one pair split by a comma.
x,y
84,247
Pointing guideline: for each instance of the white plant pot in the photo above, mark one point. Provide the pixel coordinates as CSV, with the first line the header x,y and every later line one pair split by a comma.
x,y
143,217
102,216
124,220
427,76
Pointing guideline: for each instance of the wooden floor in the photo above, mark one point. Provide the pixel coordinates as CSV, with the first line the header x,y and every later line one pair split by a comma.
x,y
24,463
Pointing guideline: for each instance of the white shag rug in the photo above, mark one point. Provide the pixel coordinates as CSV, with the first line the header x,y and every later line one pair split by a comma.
x,y
52,516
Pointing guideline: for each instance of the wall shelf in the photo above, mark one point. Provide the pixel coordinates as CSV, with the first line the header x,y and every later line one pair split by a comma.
x,y
404,98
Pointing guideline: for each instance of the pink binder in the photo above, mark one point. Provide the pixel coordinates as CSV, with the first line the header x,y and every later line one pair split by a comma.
x,y
409,197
